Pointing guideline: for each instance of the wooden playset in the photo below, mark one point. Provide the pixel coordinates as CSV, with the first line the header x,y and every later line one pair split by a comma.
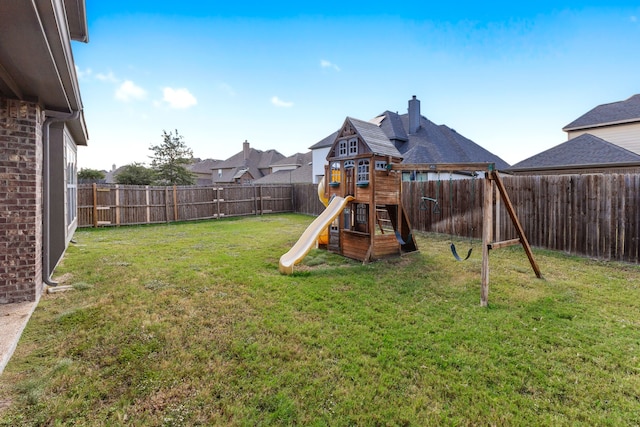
x,y
365,218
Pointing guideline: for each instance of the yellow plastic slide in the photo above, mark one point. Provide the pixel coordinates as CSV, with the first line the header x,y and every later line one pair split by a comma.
x,y
310,235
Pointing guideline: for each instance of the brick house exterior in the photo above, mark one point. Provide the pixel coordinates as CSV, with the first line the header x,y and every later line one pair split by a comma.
x,y
21,201
41,124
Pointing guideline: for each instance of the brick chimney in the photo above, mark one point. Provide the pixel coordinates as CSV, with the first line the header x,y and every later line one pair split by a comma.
x,y
414,115
246,150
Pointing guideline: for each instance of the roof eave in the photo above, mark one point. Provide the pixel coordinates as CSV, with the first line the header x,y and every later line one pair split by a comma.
x,y
570,167
600,125
37,62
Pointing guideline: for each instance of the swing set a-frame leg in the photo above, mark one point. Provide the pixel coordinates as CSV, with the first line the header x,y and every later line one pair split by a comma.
x,y
487,232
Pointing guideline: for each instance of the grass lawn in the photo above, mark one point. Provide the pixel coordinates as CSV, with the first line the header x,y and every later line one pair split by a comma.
x,y
191,324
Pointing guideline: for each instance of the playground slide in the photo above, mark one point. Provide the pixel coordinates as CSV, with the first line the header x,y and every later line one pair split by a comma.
x,y
310,235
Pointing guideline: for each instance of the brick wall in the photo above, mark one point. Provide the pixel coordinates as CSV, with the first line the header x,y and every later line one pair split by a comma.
x,y
20,201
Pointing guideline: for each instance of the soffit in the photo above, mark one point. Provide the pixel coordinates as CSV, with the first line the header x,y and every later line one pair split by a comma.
x,y
36,61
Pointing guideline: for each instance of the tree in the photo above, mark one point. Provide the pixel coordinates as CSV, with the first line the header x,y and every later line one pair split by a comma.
x,y
88,176
135,174
170,160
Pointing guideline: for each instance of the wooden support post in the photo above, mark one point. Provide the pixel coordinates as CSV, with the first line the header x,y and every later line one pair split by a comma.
x,y
175,203
146,188
487,233
498,229
218,199
166,203
117,204
516,223
255,200
95,205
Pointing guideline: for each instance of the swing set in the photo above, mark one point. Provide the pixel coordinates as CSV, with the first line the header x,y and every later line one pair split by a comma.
x,y
490,184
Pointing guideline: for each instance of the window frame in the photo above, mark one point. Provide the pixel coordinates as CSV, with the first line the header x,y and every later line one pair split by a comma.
x,y
363,173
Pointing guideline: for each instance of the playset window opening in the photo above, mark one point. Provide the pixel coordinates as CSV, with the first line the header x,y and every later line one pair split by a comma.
x,y
335,172
363,171
381,165
353,146
342,148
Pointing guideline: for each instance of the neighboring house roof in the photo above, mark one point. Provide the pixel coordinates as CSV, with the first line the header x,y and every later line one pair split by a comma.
x,y
301,175
585,150
258,158
608,114
110,177
433,143
256,163
204,166
36,37
325,142
232,174
297,160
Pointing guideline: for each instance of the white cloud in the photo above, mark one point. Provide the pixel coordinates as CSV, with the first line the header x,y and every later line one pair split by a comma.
x,y
178,98
83,73
109,77
129,91
280,103
328,64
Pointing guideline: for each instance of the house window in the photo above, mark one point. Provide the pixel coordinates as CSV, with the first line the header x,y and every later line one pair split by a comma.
x,y
342,148
363,171
335,173
381,165
219,173
353,146
71,178
349,164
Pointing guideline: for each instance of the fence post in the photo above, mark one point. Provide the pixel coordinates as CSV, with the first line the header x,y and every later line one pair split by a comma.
x,y
166,203
261,200
218,200
117,204
175,202
95,205
255,200
146,188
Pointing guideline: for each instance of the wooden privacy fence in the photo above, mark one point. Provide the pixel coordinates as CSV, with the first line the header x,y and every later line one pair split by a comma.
x,y
108,204
594,215
590,215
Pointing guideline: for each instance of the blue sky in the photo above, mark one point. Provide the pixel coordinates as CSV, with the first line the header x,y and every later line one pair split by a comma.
x,y
507,76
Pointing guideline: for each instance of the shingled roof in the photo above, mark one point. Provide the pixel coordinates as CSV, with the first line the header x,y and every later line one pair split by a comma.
x,y
256,163
585,150
433,143
374,137
301,174
607,114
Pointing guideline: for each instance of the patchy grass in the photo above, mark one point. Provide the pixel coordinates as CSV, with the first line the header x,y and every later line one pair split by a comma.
x,y
191,324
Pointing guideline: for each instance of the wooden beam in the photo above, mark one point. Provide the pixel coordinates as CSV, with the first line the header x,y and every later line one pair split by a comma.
x,y
487,233
444,167
504,244
516,223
